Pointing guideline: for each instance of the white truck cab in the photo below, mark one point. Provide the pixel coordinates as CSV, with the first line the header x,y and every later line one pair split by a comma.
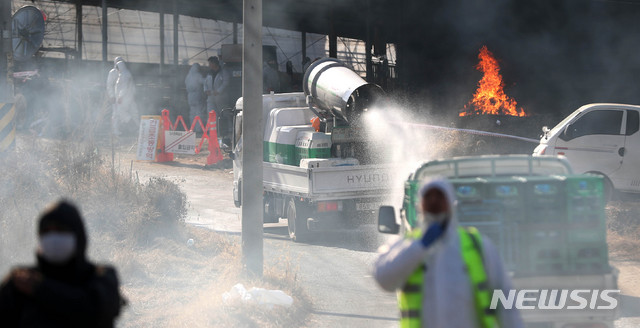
x,y
599,138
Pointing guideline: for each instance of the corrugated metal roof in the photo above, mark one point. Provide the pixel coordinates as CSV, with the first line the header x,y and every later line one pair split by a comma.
x,y
348,17
135,35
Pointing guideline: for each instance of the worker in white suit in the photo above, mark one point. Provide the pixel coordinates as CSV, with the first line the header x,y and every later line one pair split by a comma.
x,y
125,110
194,83
444,273
112,77
111,81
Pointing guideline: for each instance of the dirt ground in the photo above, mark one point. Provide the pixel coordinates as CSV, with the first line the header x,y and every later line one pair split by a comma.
x,y
207,188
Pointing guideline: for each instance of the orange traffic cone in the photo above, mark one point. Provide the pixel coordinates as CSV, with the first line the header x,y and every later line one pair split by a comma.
x,y
165,125
215,154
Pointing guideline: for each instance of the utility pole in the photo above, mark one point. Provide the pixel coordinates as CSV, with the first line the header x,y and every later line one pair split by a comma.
x,y
304,48
79,30
176,73
333,37
252,133
105,31
161,14
235,33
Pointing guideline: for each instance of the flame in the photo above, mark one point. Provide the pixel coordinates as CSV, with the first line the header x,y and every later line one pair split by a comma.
x,y
490,97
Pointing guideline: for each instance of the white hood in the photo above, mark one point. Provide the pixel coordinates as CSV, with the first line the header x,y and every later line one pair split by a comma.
x,y
124,84
117,60
122,67
447,189
444,186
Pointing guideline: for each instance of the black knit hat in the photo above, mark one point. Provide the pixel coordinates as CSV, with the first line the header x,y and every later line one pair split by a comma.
x,y
64,214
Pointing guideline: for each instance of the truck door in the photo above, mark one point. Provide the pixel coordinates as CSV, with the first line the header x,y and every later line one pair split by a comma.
x,y
627,178
593,140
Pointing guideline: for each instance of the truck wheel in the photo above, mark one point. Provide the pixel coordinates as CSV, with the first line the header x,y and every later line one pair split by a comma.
x,y
608,192
269,215
297,220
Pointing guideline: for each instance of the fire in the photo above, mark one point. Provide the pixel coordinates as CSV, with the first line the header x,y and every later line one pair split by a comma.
x,y
490,97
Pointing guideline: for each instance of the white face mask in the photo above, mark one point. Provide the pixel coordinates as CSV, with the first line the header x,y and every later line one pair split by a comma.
x,y
436,218
57,247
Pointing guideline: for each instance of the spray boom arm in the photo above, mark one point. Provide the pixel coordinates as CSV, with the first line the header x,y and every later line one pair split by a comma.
x,y
338,92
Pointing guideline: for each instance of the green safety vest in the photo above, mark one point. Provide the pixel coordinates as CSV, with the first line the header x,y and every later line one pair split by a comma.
x,y
410,297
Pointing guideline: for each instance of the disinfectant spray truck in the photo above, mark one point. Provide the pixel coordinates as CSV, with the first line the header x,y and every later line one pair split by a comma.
x,y
319,170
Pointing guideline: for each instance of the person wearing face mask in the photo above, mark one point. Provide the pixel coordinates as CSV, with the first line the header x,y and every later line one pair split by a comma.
x,y
445,274
64,289
215,86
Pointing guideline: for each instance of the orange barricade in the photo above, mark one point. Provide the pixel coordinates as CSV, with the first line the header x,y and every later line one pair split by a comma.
x,y
215,155
210,134
162,155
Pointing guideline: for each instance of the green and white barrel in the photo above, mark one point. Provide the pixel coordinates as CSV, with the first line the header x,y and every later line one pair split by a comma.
x,y
311,144
278,118
285,152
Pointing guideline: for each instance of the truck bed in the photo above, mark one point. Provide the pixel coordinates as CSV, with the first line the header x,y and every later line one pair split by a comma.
x,y
330,183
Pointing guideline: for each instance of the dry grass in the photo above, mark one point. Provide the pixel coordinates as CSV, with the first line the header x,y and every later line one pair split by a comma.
x,y
623,229
178,286
139,227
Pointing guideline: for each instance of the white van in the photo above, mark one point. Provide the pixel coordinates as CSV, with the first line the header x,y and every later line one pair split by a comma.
x,y
601,139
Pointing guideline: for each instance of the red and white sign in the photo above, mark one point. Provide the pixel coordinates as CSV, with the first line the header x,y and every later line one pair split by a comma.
x,y
148,137
180,142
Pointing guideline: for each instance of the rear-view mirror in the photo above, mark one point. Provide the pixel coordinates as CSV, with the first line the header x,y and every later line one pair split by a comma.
x,y
387,220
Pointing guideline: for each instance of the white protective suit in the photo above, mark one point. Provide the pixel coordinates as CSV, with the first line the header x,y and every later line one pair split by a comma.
x,y
218,85
111,81
125,110
447,297
195,93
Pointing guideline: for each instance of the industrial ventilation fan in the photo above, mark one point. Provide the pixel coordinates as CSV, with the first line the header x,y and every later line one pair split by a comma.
x,y
27,32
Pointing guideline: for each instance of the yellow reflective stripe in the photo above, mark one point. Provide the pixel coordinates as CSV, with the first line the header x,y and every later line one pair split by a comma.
x,y
415,233
416,277
472,257
410,323
8,116
410,300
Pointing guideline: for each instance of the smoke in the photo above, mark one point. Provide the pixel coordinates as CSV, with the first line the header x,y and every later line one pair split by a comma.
x,y
555,55
403,146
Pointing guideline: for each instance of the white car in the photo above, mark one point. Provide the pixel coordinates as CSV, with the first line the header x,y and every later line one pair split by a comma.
x,y
601,139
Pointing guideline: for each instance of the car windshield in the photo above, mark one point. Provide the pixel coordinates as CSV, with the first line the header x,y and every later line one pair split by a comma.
x,y
560,126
